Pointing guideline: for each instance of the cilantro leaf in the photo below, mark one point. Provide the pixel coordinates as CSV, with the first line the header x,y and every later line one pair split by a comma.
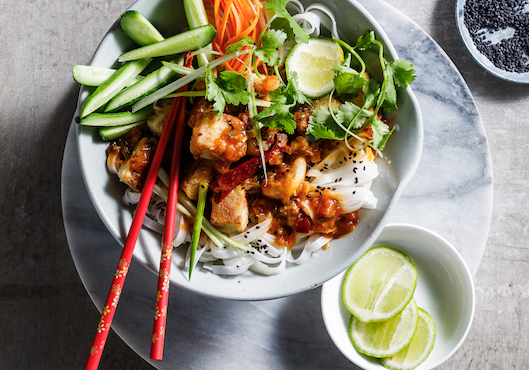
x,y
228,88
278,116
293,91
279,7
323,126
400,73
390,96
352,116
348,81
371,92
403,72
381,134
366,41
271,40
245,41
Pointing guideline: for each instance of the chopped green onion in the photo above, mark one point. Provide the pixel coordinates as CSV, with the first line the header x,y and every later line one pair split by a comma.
x,y
197,226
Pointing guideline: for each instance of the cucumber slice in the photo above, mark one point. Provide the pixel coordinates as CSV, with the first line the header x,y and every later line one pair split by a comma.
x,y
185,41
195,13
95,76
113,132
91,76
108,89
196,17
115,119
139,29
152,82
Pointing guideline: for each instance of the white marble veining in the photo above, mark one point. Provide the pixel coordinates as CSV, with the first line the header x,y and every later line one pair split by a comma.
x,y
451,194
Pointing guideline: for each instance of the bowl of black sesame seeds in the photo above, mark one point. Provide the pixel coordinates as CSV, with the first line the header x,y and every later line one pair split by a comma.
x,y
496,33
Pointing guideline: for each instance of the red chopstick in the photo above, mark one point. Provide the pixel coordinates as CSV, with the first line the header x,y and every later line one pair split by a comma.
x,y
162,291
116,288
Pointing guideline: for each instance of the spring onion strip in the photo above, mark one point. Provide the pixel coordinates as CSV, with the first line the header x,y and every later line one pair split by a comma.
x,y
204,51
209,230
163,176
197,226
252,111
173,86
178,68
262,103
188,94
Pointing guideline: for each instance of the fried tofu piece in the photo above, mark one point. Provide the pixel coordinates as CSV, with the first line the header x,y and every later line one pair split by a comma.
x,y
156,122
287,185
216,137
203,172
133,170
231,214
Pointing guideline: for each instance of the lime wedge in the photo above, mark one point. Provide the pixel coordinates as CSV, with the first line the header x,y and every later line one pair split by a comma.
x,y
385,338
379,285
419,348
313,62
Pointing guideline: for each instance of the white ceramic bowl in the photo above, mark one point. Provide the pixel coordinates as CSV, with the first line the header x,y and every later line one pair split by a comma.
x,y
444,289
403,150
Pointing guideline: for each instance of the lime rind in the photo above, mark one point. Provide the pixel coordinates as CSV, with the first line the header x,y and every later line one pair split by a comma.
x,y
366,299
313,62
396,362
372,339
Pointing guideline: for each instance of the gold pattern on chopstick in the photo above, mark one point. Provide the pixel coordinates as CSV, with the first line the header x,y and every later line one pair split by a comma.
x,y
164,273
167,251
122,269
116,289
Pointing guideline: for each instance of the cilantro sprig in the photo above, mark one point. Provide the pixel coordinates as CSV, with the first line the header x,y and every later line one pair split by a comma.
x,y
278,115
228,88
350,82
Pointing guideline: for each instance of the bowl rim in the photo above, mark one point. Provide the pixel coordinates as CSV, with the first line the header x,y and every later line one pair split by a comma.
x,y
482,60
286,291
463,267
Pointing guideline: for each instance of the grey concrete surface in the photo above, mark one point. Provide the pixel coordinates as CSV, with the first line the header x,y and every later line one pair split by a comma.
x,y
47,319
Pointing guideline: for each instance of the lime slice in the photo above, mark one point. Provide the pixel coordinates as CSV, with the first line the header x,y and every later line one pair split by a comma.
x,y
379,285
419,348
386,338
313,62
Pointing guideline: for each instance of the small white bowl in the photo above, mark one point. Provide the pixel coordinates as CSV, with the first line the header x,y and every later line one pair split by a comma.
x,y
444,289
480,58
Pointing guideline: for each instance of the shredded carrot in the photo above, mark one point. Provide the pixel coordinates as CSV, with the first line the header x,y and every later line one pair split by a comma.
x,y
234,20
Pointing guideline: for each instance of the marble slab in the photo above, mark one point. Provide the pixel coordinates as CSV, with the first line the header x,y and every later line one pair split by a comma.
x,y
450,194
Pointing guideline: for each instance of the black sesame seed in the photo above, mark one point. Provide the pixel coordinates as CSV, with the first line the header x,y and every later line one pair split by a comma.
x,y
485,18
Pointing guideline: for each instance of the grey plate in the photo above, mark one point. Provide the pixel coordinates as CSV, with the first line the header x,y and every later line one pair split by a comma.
x,y
452,197
480,58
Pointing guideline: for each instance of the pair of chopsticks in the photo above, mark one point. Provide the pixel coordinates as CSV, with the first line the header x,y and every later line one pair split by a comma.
x,y
162,294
